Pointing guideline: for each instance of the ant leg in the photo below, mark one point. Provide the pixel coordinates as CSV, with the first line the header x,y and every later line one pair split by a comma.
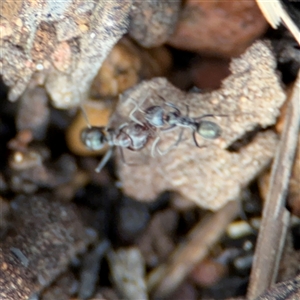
x,y
154,145
187,110
104,160
136,107
208,116
132,117
195,141
197,119
121,149
174,106
163,152
179,138
169,128
85,116
122,126
122,155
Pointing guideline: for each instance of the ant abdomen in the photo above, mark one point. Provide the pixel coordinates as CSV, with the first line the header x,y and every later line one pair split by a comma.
x,y
208,130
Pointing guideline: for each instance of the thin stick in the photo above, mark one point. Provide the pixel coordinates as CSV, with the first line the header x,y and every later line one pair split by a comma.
x,y
274,12
163,280
275,217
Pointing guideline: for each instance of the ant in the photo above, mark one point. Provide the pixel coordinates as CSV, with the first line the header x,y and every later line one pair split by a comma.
x,y
166,120
132,136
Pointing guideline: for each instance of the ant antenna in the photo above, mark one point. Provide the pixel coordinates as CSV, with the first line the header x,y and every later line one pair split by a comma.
x,y
85,116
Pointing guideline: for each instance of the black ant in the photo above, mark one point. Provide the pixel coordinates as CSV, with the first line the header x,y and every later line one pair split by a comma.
x,y
132,136
158,117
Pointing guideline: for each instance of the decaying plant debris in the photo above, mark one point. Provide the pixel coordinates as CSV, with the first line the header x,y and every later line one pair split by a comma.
x,y
243,103
67,232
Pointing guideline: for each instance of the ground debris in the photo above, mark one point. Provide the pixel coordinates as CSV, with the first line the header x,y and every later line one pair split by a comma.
x,y
65,43
46,236
156,243
164,279
217,27
210,176
33,112
90,270
153,21
273,229
126,65
128,272
65,286
287,290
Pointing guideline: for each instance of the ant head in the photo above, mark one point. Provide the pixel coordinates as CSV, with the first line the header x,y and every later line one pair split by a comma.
x,y
208,130
94,138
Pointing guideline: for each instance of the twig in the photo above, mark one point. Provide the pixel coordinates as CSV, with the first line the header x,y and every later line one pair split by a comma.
x,y
166,278
275,216
274,12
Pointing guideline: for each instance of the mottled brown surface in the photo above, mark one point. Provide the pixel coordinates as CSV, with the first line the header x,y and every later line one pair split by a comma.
x,y
223,28
126,65
48,234
64,43
210,176
152,22
62,289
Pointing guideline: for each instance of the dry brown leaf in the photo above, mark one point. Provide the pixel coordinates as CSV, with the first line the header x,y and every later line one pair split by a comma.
x,y
210,176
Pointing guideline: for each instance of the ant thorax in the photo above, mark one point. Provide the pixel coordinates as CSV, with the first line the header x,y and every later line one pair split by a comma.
x,y
173,118
154,115
122,139
132,136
